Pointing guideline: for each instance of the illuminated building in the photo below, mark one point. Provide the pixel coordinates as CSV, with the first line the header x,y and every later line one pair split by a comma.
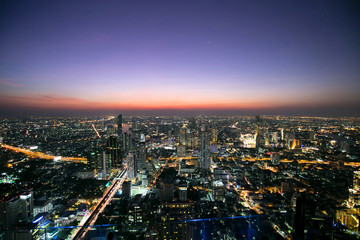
x,y
16,209
41,206
274,137
113,150
173,216
119,130
218,191
248,140
204,151
94,160
189,138
182,192
131,166
135,213
183,136
214,136
106,165
142,153
126,143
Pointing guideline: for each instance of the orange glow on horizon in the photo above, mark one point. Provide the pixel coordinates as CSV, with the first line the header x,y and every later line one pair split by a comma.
x,y
58,102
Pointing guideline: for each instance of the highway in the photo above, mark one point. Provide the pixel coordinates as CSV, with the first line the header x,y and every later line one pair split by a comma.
x,y
90,220
34,154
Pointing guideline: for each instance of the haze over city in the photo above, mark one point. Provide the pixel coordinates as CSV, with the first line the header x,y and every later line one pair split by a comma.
x,y
179,57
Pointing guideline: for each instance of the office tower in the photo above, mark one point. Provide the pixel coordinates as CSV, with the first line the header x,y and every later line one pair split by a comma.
x,y
119,130
182,192
166,190
135,213
204,150
126,189
275,137
94,159
183,136
260,141
127,144
142,153
214,136
16,209
300,218
106,165
189,138
113,150
218,191
174,216
131,165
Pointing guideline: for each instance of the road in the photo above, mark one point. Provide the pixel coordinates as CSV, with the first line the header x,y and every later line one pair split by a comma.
x,y
34,154
105,200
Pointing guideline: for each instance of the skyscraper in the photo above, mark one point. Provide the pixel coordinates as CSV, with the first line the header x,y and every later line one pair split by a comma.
x,y
204,150
113,150
16,208
119,131
131,165
142,152
126,189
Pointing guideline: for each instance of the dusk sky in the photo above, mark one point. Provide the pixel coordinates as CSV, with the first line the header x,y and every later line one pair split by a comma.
x,y
143,57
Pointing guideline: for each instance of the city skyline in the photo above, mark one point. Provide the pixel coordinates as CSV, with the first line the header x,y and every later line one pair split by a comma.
x,y
296,58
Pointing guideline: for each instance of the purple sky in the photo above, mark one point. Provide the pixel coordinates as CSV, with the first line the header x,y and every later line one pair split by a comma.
x,y
273,57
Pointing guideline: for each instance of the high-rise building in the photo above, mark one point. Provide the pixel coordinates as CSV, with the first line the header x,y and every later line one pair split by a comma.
x,y
131,165
214,136
204,150
260,141
16,209
126,189
182,192
174,216
106,165
113,150
218,191
135,213
142,153
119,122
167,190
183,136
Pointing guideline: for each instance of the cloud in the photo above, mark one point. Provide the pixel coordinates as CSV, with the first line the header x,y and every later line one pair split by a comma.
x,y
10,84
42,101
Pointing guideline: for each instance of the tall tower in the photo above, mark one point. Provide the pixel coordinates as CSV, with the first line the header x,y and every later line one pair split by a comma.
x,y
142,152
119,122
113,149
204,150
131,165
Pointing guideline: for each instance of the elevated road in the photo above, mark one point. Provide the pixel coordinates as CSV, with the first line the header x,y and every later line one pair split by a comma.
x,y
105,200
34,154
